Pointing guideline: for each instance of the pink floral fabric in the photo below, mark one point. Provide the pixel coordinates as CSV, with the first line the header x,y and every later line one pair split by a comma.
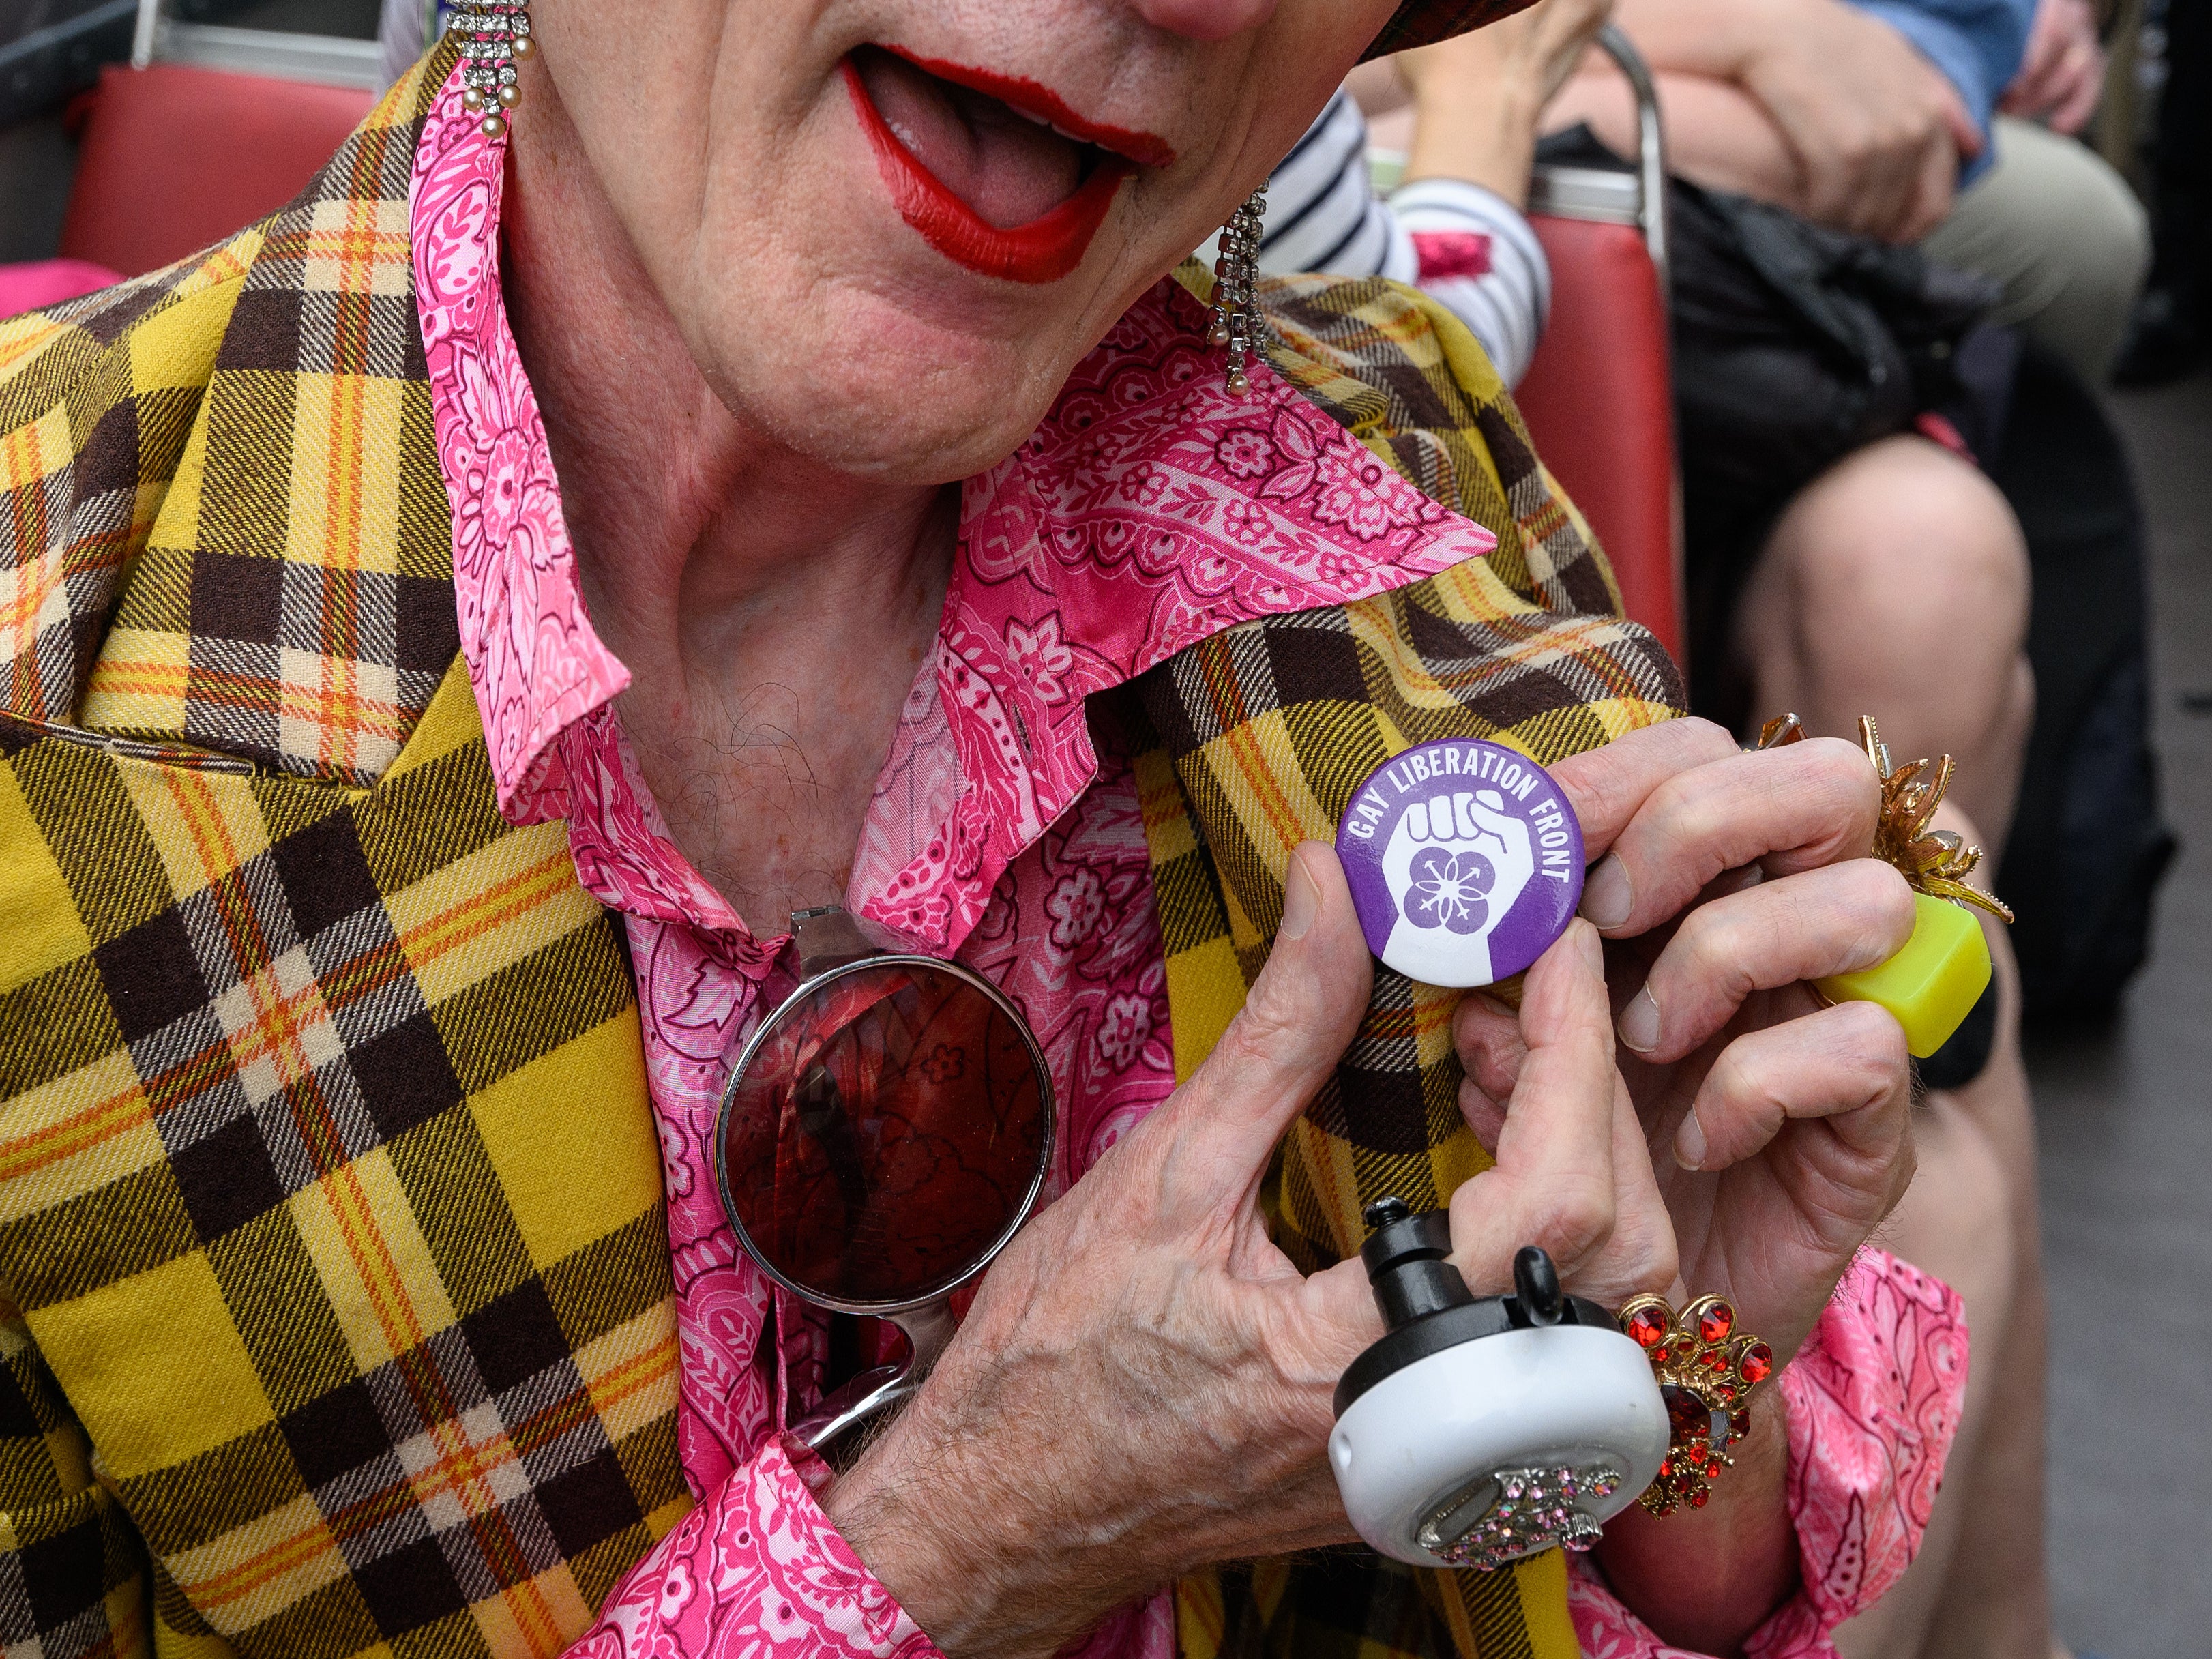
x,y
1148,510
1873,1398
794,1585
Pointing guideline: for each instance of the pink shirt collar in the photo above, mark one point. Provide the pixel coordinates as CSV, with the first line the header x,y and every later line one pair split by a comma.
x,y
1149,509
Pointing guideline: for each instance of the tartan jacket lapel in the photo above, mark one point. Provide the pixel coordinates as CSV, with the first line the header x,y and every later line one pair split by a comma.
x,y
228,526
329,1196
330,1203
1258,738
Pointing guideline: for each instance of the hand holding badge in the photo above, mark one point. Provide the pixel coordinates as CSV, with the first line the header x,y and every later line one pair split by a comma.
x,y
1450,851
1479,1430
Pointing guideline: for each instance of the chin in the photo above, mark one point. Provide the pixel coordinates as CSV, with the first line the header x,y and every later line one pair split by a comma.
x,y
933,387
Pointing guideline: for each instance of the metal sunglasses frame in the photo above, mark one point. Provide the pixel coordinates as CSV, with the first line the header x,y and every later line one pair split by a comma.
x,y
834,944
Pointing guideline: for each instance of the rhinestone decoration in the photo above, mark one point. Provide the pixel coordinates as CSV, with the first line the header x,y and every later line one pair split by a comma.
x,y
1708,1370
1237,322
491,35
1513,1513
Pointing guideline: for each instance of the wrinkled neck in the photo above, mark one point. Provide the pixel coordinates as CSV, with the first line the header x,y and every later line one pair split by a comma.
x,y
692,528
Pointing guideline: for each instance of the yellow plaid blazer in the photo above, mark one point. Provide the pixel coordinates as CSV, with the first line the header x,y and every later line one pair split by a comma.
x,y
1260,736
339,1316
335,1305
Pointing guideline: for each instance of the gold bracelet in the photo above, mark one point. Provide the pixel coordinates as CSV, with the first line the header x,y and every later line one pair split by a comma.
x,y
1708,1372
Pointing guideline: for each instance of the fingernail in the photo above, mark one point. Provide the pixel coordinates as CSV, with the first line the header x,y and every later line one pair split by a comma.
x,y
1690,1143
1639,1023
1607,898
1301,899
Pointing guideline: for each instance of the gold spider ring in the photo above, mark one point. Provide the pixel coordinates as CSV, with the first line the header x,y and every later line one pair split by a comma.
x,y
1933,982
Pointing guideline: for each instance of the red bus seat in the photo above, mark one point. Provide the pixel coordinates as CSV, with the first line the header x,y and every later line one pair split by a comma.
x,y
175,157
1598,402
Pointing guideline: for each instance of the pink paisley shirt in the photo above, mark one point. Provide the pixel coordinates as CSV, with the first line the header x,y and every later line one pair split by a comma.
x,y
1147,511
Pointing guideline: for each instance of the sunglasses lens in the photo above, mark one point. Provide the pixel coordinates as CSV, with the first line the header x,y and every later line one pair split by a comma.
x,y
885,1134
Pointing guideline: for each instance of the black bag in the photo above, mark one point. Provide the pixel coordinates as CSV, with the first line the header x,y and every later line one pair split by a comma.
x,y
2088,845
1796,344
1793,346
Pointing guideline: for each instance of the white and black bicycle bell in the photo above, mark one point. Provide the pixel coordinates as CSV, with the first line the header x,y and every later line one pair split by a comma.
x,y
1480,1430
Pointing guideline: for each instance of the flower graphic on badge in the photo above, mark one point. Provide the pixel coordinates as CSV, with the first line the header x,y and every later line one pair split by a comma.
x,y
1455,865
1450,890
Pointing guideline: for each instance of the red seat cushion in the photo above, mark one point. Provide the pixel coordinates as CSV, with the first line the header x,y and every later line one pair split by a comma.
x,y
1598,404
174,158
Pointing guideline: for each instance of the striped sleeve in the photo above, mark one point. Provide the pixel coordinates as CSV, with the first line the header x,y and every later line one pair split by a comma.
x,y
1505,307
1323,216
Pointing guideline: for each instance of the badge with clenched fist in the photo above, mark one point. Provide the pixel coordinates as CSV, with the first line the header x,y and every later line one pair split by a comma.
x,y
1465,861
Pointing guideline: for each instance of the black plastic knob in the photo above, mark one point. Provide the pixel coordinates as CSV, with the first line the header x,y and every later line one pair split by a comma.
x,y
1536,1286
1405,1257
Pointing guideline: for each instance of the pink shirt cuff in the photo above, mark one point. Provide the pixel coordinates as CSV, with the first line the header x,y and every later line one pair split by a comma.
x,y
756,1569
1874,1400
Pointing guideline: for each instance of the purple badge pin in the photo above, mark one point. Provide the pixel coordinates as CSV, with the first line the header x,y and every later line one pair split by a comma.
x,y
1465,861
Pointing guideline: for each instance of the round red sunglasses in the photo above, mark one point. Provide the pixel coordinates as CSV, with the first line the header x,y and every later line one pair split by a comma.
x,y
884,1134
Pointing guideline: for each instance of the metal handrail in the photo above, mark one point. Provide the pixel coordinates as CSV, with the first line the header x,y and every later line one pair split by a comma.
x,y
324,59
1637,197
1650,143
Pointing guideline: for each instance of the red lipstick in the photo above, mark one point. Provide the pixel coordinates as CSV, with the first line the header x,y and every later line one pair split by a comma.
x,y
1045,249
1019,92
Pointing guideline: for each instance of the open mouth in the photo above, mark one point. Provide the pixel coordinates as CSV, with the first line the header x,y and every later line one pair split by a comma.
x,y
995,172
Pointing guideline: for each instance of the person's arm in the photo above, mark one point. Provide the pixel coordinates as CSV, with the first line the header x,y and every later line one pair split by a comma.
x,y
1717,135
1475,104
1477,98
1466,245
1978,46
1322,214
1463,244
1859,1428
1477,255
1875,128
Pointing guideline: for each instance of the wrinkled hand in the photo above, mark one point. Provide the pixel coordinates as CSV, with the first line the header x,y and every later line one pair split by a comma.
x,y
1777,1126
1877,130
2062,76
1143,1385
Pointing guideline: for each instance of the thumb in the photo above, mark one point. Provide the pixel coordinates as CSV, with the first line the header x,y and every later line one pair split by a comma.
x,y
1553,1184
1283,1045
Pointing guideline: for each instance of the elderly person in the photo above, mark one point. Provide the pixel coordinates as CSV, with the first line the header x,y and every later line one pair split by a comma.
x,y
751,458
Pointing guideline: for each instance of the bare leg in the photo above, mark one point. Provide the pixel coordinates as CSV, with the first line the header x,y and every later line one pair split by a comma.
x,y
1996,1595
1979,1586
1896,584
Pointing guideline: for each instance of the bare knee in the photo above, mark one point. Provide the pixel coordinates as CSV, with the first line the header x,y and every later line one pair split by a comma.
x,y
1903,544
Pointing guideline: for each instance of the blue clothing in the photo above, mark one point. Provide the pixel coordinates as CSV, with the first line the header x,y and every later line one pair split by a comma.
x,y
1977,44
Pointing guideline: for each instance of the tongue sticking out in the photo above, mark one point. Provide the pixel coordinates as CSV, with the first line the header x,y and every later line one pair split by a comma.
x,y
1008,169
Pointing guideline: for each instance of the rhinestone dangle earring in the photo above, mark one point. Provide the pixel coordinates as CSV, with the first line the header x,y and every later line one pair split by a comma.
x,y
493,34
1237,321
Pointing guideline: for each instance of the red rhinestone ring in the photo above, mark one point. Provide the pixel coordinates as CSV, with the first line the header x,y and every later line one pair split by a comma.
x,y
1708,1372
